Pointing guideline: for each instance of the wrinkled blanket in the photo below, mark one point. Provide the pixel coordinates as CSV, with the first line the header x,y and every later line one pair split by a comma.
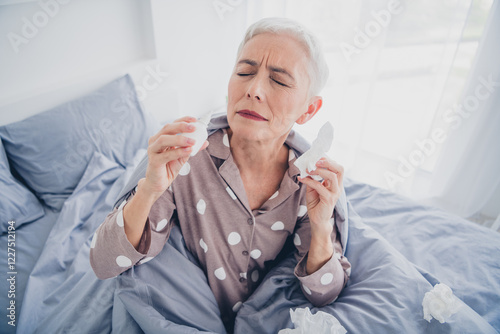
x,y
170,293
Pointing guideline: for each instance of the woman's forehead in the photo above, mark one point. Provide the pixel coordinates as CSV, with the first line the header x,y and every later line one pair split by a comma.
x,y
275,50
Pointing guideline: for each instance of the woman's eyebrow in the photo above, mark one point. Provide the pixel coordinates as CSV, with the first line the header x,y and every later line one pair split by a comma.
x,y
283,71
248,62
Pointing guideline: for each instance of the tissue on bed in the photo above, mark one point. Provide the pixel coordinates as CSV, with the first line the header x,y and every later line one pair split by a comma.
x,y
318,323
319,147
440,303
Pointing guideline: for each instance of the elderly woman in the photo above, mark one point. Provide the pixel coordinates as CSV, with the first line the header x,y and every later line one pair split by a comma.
x,y
238,200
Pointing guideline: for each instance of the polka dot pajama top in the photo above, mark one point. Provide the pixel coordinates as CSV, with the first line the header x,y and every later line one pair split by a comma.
x,y
231,242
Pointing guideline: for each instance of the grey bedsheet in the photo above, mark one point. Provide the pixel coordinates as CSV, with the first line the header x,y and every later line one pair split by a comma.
x,y
30,240
461,254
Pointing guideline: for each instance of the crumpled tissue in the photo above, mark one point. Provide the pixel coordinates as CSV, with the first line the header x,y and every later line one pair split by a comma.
x,y
440,303
318,323
318,149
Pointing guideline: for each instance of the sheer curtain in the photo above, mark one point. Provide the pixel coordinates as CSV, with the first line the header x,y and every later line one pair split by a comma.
x,y
467,175
398,69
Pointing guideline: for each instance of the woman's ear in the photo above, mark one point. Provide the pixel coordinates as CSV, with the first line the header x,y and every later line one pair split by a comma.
x,y
314,105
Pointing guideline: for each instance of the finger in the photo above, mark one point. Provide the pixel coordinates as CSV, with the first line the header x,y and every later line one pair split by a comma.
x,y
330,179
170,155
322,191
188,119
172,129
333,166
165,142
334,186
205,145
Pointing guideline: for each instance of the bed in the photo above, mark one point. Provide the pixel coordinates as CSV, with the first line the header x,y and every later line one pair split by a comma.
x,y
63,170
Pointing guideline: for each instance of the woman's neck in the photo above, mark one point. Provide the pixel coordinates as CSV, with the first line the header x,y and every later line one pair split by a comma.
x,y
262,166
257,157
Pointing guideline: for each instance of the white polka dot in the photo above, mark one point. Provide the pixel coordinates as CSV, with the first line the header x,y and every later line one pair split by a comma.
x,y
119,218
161,225
274,195
302,211
278,226
146,259
326,279
201,206
255,253
291,155
203,245
296,240
244,275
231,193
306,289
94,240
225,140
348,271
123,261
220,273
237,307
255,275
122,205
233,238
185,169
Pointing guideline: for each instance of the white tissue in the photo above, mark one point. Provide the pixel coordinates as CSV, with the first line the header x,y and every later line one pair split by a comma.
x,y
318,323
318,149
200,133
440,303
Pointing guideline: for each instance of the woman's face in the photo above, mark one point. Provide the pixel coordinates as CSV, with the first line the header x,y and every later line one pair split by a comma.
x,y
268,89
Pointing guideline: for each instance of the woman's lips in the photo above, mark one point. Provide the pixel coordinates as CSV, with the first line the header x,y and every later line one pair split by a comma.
x,y
251,115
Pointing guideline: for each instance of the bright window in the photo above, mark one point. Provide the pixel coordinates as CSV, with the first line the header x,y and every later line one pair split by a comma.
x,y
395,67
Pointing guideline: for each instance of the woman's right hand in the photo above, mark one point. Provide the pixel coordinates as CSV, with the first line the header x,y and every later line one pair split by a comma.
x,y
167,153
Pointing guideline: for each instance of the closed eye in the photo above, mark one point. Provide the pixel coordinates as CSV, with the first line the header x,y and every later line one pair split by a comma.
x,y
242,74
279,83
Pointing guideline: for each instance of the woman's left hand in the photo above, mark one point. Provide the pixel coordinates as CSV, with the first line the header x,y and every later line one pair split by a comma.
x,y
321,196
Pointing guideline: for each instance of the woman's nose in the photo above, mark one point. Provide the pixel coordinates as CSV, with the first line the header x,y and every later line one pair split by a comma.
x,y
256,89
256,96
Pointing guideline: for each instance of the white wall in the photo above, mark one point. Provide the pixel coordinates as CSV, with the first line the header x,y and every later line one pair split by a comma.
x,y
179,53
196,44
51,45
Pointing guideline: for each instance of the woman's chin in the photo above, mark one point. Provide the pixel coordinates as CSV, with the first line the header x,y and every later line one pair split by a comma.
x,y
249,132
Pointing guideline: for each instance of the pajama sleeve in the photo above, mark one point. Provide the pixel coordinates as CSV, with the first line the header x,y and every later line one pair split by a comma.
x,y
324,285
111,253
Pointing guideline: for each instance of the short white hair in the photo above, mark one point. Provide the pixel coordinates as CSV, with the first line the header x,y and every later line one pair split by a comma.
x,y
318,73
